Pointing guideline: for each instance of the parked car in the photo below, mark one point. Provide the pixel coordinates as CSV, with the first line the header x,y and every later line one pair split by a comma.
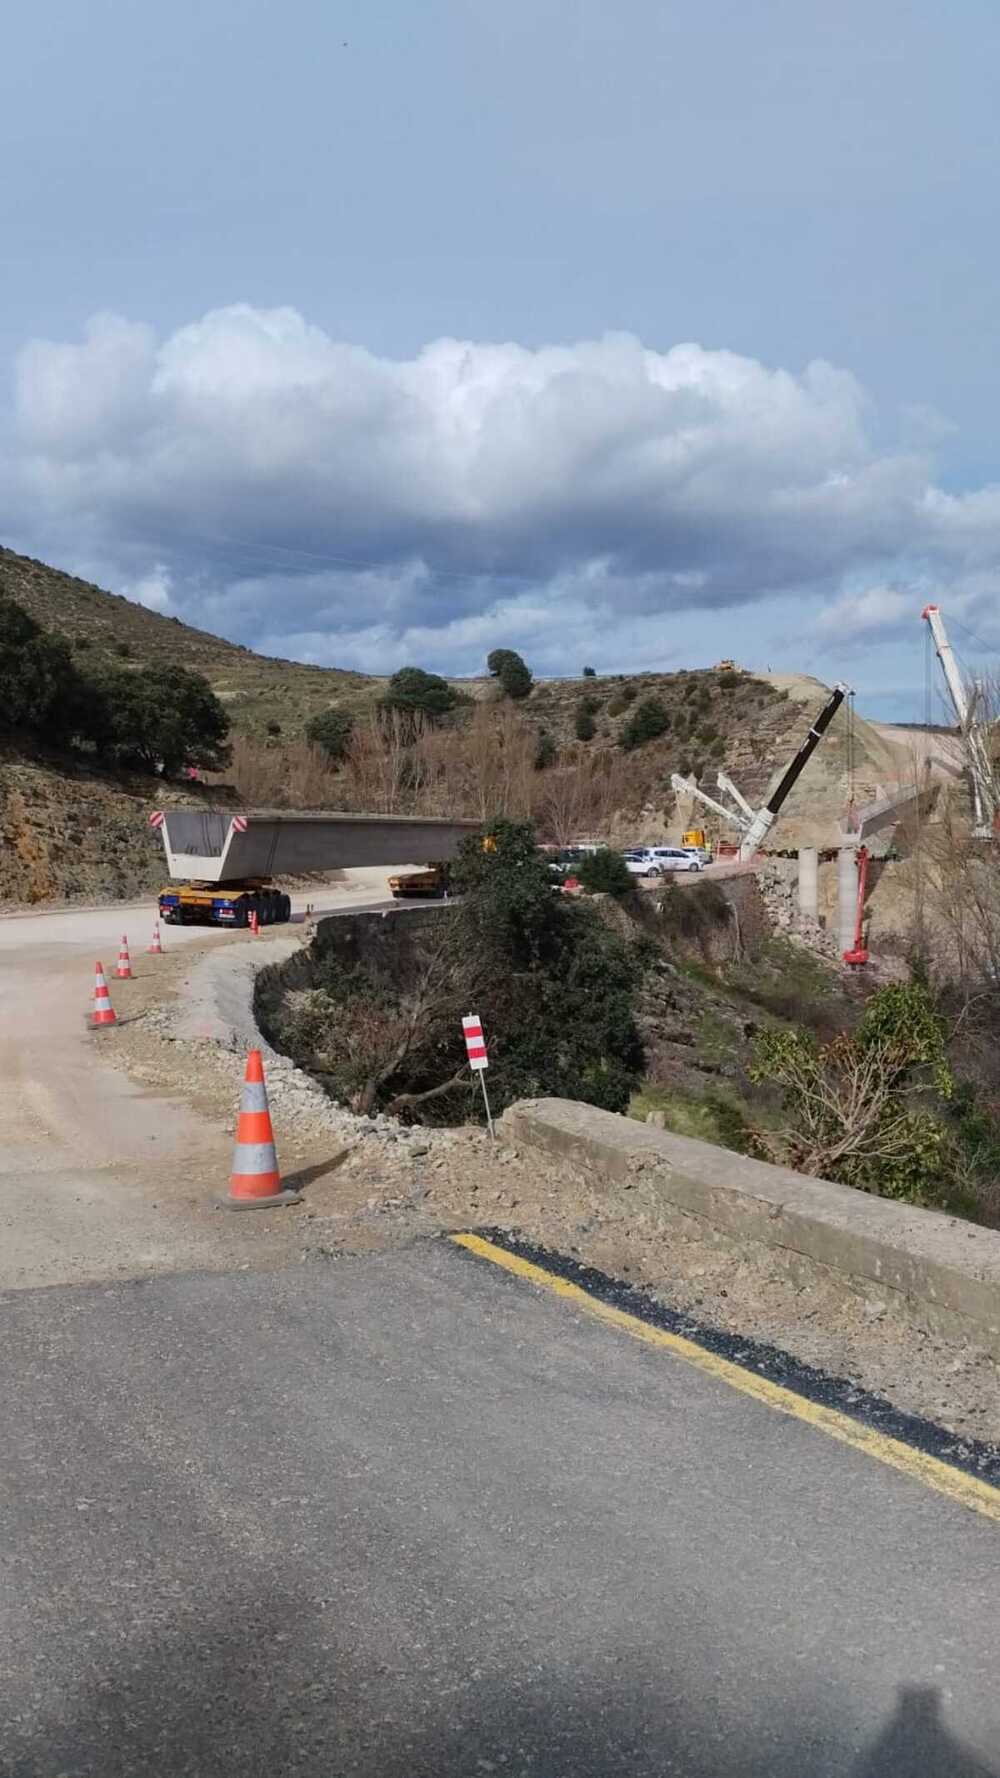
x,y
655,861
702,853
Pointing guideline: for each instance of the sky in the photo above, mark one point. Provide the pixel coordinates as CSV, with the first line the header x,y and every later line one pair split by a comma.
x,y
633,336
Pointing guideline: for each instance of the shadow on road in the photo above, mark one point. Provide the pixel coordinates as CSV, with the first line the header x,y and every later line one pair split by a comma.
x,y
257,1691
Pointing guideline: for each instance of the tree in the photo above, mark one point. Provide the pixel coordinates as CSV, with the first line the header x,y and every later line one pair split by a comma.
x,y
331,732
158,719
40,685
559,985
584,727
648,720
427,694
605,873
590,672
512,672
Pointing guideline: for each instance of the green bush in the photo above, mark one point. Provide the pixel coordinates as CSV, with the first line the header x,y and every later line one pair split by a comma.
x,y
157,719
331,731
870,1109
590,672
648,720
413,691
546,752
41,688
605,873
512,672
584,726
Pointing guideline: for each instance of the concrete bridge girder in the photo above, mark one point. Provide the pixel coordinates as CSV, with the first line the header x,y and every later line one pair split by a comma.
x,y
220,846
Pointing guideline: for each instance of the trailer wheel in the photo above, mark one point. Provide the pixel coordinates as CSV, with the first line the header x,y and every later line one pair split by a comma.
x,y
241,914
285,910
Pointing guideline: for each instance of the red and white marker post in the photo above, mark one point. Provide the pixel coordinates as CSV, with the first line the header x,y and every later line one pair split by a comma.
x,y
479,1061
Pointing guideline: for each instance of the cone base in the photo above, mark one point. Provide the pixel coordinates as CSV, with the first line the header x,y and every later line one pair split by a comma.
x,y
282,1197
99,1020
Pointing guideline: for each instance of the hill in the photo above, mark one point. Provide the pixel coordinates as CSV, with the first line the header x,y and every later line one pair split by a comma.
x,y
68,829
256,689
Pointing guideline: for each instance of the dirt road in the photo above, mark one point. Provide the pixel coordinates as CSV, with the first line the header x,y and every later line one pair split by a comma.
x,y
98,1177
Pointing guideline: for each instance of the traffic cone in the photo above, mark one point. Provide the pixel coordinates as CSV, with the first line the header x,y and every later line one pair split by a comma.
x,y
124,969
155,949
104,1012
254,924
255,1181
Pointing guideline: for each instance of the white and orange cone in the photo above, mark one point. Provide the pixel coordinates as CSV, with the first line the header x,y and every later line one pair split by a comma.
x,y
124,969
255,1182
155,949
254,924
103,1012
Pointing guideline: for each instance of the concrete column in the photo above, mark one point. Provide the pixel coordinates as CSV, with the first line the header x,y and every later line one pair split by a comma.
x,y
847,896
809,882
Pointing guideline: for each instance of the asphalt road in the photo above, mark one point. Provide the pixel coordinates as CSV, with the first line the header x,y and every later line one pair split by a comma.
x,y
407,1515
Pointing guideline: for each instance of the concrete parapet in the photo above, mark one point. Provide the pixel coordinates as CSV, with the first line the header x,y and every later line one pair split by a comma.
x,y
936,1271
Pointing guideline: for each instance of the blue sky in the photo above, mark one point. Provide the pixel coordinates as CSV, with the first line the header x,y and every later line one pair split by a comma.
x,y
633,335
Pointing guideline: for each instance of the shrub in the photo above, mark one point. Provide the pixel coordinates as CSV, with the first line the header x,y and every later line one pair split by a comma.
x,y
867,1109
511,671
728,681
331,731
605,873
274,729
648,720
546,752
414,691
590,672
584,727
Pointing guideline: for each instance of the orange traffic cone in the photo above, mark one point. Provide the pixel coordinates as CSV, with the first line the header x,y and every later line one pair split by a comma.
x,y
155,949
104,1012
254,924
124,969
255,1181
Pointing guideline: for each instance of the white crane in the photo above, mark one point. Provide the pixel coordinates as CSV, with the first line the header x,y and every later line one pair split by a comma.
x,y
754,824
981,776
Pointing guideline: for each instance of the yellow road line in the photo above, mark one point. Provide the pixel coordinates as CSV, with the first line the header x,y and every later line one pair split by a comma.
x,y
965,1490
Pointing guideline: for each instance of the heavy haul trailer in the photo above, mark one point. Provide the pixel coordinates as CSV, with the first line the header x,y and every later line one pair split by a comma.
x,y
224,865
199,904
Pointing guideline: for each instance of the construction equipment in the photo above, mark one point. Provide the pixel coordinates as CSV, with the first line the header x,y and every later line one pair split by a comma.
x,y
858,953
432,881
694,836
982,780
754,824
229,861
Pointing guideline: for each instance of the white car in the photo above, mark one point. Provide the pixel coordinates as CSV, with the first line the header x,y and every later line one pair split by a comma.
x,y
655,861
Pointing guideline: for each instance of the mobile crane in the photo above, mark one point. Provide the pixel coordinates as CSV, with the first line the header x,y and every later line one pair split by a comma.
x,y
755,824
977,760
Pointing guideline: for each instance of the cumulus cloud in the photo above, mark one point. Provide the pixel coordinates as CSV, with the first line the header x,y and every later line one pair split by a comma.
x,y
309,497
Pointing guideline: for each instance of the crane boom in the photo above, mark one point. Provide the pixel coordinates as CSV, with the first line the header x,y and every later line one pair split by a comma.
x,y
767,815
981,778
688,787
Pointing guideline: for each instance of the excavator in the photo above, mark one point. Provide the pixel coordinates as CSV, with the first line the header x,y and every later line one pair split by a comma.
x,y
754,824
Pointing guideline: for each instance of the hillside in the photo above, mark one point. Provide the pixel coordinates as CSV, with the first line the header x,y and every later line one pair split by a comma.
x,y
71,830
256,689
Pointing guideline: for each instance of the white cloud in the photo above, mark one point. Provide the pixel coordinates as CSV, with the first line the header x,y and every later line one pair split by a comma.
x,y
152,589
260,478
